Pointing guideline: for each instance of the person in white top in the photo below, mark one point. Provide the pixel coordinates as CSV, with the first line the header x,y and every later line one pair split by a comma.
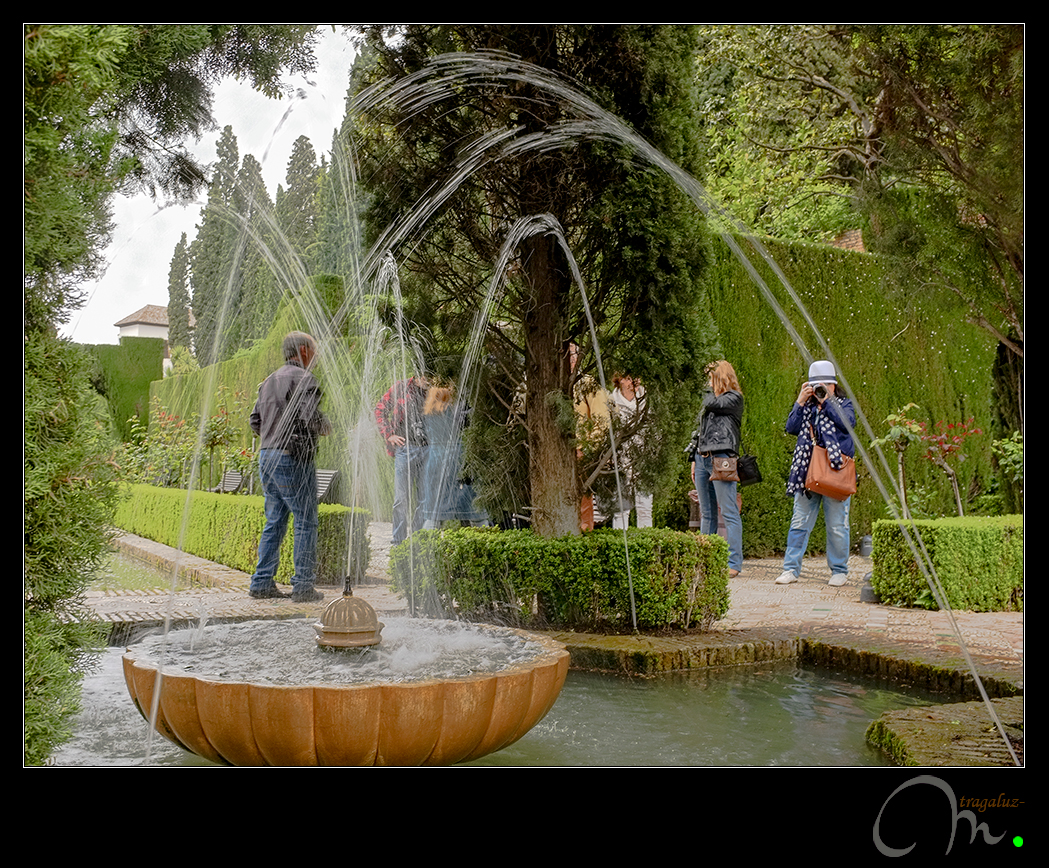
x,y
628,403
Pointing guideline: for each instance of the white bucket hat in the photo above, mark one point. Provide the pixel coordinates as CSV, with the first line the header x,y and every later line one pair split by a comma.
x,y
822,372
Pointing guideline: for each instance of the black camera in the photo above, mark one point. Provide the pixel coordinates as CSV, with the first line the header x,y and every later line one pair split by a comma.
x,y
820,391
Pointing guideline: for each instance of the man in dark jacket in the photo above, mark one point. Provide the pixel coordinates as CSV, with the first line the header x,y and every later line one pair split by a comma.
x,y
288,419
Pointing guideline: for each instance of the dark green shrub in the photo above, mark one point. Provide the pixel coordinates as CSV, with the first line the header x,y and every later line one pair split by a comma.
x,y
225,528
123,374
979,560
518,577
70,490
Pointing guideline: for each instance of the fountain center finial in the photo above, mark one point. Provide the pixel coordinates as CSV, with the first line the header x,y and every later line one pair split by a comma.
x,y
348,622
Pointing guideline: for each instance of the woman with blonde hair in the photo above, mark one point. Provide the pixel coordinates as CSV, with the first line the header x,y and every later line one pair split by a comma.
x,y
445,495
719,423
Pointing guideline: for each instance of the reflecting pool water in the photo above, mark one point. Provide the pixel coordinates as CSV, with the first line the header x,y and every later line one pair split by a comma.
x,y
773,715
122,572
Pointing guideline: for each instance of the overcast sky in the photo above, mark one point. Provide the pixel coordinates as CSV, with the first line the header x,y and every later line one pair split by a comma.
x,y
145,234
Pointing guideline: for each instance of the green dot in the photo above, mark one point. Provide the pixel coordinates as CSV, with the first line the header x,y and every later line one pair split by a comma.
x,y
1018,841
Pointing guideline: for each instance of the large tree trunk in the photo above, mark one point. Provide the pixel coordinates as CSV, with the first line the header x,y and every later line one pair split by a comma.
x,y
553,475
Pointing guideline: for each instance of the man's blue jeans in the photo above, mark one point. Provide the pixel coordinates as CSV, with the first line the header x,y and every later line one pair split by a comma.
x,y
835,517
409,465
713,494
290,488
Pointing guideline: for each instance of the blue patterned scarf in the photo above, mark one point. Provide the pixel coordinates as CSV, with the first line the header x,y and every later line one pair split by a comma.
x,y
826,436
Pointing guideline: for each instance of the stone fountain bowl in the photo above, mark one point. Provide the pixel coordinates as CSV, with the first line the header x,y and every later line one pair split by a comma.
x,y
430,722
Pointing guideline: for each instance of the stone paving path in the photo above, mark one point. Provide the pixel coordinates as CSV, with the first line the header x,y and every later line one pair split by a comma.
x,y
808,608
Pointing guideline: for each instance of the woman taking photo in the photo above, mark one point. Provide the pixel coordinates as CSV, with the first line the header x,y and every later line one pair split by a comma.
x,y
719,422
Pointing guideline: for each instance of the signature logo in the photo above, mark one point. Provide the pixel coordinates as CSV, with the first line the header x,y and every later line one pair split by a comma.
x,y
956,815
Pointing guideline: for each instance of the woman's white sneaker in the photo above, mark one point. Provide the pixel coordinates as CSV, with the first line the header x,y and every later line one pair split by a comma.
x,y
786,577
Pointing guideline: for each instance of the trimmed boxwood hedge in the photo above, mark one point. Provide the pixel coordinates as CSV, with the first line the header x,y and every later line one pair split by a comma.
x,y
225,528
979,560
519,578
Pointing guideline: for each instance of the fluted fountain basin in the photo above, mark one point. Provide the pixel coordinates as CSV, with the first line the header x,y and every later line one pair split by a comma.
x,y
403,704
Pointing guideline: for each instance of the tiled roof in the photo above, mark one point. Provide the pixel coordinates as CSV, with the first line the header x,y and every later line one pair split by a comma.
x,y
151,314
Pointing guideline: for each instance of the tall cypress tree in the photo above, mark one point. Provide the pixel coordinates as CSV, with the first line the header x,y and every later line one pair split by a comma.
x,y
636,238
262,261
297,202
178,296
213,251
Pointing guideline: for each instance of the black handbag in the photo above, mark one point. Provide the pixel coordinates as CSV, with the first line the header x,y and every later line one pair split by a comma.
x,y
747,468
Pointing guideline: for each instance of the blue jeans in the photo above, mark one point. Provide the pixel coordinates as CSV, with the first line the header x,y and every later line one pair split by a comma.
x,y
835,517
290,488
409,465
714,494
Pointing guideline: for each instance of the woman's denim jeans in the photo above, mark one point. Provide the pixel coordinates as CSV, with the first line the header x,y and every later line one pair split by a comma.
x,y
713,494
835,517
409,465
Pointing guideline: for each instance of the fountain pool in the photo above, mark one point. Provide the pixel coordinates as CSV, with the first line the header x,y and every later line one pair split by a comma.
x,y
264,693
775,715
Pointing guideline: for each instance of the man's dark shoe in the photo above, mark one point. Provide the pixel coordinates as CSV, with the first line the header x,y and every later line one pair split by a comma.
x,y
268,593
310,596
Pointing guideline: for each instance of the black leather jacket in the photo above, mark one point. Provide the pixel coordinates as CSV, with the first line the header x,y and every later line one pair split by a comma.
x,y
719,420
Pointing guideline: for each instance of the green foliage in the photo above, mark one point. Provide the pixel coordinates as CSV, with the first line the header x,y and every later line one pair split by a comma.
x,y
101,104
164,453
296,203
903,430
182,361
1010,453
979,561
161,451
225,528
107,105
918,126
164,94
54,653
943,447
889,354
69,485
777,126
214,253
520,578
69,72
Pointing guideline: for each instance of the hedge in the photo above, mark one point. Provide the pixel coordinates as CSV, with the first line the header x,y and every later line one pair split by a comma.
x,y
979,560
225,528
895,344
519,578
123,374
